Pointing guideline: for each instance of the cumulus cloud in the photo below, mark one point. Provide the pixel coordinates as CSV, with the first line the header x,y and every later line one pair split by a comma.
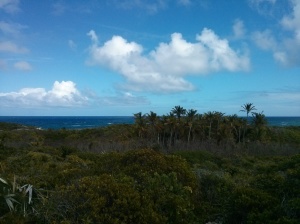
x,y
62,94
23,66
10,6
11,47
286,50
164,68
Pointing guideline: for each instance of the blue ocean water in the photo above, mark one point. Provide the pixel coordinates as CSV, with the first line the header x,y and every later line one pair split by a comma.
x,y
81,122
283,121
68,122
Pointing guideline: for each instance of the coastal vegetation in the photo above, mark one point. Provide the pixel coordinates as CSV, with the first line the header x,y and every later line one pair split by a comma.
x,y
183,167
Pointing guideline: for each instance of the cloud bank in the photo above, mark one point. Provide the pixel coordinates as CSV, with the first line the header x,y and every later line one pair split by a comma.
x,y
62,94
164,69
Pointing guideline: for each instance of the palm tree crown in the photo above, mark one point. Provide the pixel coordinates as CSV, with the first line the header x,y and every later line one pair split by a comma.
x,y
248,107
178,111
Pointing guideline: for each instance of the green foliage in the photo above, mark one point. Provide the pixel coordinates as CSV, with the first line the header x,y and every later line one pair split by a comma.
x,y
141,186
99,199
17,203
117,199
237,173
244,189
4,126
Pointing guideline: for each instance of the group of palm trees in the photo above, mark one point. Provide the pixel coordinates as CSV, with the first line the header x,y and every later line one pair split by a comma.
x,y
182,125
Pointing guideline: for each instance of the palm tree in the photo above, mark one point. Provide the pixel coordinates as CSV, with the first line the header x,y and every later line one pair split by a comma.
x,y
248,107
233,123
237,124
153,120
170,122
218,116
191,115
200,126
209,116
178,111
140,123
259,121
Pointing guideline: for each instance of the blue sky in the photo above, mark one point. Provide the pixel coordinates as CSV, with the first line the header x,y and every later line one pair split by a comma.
x,y
119,57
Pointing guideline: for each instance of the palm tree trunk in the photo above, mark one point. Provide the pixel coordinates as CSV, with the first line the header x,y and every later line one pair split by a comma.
x,y
189,136
209,131
171,136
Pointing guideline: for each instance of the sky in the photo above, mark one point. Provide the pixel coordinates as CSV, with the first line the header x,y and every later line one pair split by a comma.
x,y
120,57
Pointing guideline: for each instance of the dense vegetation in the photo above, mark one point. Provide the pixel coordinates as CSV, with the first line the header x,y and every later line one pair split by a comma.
x,y
183,167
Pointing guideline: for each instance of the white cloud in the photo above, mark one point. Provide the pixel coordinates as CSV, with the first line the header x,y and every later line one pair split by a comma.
x,y
11,29
93,36
23,66
10,6
264,7
239,30
265,40
10,47
164,68
62,94
292,21
286,48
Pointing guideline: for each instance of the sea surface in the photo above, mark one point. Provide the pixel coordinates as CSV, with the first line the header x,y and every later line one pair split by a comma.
x,y
82,122
68,122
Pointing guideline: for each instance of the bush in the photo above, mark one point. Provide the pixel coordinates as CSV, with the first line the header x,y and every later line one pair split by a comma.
x,y
118,199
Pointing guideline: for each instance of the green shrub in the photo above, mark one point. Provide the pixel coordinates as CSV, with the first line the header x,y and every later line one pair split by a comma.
x,y
117,199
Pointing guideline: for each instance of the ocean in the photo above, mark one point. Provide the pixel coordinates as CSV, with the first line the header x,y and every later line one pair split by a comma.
x,y
68,122
82,122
